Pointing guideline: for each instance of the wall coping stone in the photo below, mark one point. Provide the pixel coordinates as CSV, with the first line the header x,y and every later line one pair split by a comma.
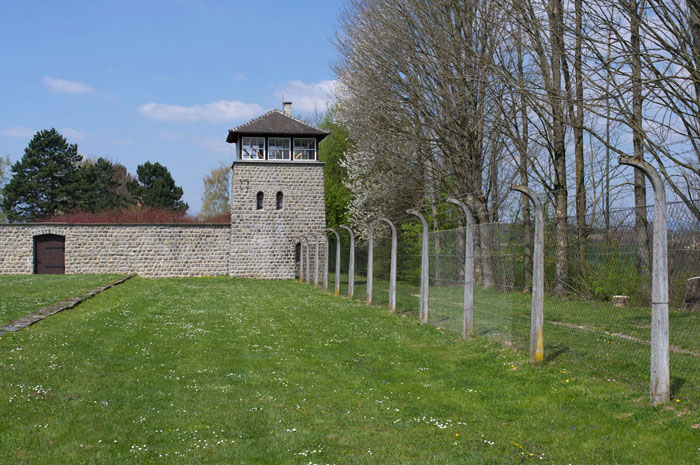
x,y
174,225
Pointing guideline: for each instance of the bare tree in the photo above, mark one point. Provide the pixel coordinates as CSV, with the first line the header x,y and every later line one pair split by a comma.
x,y
543,46
420,73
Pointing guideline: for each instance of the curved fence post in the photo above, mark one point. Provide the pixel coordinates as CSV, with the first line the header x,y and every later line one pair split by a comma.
x,y
337,260
325,261
315,236
307,270
537,313
392,272
468,323
424,269
301,259
370,258
351,264
660,384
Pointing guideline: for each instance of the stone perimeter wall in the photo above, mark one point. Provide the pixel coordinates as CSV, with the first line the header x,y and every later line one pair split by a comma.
x,y
263,241
148,250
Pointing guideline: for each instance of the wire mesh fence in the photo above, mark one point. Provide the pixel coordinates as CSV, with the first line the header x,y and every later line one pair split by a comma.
x,y
582,326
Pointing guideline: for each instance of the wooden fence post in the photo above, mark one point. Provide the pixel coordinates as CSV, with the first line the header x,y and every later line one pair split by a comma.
x,y
537,313
660,384
351,265
392,272
468,323
370,259
424,269
337,260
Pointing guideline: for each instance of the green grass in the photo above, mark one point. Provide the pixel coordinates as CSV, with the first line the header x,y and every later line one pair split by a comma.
x,y
220,370
24,294
612,341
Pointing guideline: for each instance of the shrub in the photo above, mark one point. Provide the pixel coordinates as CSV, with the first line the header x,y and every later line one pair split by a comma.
x,y
135,215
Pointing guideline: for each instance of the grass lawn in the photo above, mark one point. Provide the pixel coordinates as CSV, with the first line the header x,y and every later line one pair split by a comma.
x,y
612,341
221,370
24,294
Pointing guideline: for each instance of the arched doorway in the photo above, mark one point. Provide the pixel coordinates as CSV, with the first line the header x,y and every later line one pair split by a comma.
x,y
49,254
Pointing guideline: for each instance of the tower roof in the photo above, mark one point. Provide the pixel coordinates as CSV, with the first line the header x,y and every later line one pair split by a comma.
x,y
275,123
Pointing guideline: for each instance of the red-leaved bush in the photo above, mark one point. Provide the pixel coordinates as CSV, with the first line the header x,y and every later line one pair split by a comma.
x,y
136,215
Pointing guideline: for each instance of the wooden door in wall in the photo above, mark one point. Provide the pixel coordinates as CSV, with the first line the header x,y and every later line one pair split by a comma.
x,y
49,254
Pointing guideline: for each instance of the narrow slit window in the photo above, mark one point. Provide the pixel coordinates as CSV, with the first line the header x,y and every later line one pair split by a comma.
x,y
280,199
259,202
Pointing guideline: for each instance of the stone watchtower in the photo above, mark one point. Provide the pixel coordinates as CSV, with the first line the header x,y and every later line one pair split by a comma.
x,y
277,193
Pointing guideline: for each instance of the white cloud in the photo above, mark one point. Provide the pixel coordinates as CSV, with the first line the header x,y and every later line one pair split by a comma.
x,y
68,87
73,134
119,141
215,144
18,131
308,97
169,136
214,112
240,77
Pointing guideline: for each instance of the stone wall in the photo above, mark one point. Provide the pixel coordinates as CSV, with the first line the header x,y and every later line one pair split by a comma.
x,y
263,241
148,250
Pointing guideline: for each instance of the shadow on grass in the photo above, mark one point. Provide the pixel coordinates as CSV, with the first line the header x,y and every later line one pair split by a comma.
x,y
553,352
676,385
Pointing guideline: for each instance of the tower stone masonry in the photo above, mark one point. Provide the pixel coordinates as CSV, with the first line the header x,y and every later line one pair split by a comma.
x,y
277,195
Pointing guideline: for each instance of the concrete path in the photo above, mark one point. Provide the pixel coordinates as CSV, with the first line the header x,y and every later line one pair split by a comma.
x,y
46,312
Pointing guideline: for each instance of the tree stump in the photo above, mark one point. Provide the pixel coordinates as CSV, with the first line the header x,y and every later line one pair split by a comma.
x,y
620,300
691,301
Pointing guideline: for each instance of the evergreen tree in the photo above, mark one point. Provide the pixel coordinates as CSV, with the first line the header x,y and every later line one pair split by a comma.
x,y
98,187
156,188
4,169
43,180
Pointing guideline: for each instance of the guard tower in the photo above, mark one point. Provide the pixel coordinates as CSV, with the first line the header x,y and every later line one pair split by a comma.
x,y
277,193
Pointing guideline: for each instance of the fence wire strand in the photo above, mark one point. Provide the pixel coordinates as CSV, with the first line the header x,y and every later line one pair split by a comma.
x,y
582,326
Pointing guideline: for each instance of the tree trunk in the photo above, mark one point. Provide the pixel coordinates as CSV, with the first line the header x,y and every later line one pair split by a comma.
x,y
578,141
524,165
640,192
433,197
485,242
558,133
691,301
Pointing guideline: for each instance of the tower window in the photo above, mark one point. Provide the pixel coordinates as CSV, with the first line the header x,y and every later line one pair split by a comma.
x,y
253,148
305,149
259,203
279,148
280,198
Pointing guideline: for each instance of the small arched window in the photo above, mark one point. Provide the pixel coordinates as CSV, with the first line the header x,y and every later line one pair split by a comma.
x,y
259,203
280,198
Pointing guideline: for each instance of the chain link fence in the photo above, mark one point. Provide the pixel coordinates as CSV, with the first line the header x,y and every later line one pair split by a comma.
x,y
582,326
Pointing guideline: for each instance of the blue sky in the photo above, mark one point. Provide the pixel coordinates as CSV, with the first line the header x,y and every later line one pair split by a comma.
x,y
159,80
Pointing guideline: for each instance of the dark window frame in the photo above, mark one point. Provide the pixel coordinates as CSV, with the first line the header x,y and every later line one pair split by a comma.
x,y
280,200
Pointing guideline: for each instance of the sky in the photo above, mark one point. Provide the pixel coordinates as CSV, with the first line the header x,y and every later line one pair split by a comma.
x,y
160,80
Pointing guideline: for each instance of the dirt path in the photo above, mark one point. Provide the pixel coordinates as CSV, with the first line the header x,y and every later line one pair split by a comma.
x,y
672,348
